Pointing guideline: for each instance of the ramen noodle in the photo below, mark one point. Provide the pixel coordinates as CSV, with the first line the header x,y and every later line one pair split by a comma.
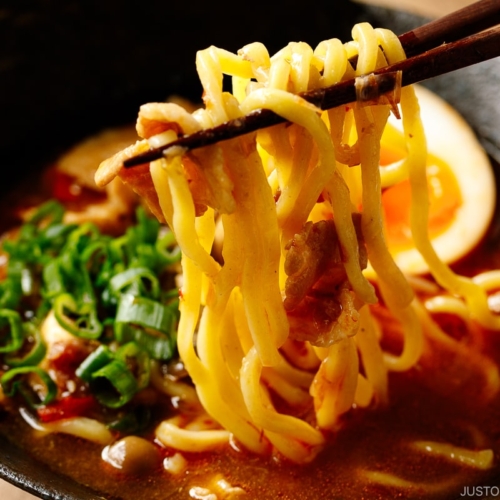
x,y
301,212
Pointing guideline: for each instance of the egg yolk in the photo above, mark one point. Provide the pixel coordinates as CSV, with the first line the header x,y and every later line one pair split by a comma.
x,y
444,199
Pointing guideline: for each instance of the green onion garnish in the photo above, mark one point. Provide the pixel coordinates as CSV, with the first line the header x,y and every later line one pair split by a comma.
x,y
116,381
14,381
36,352
14,332
80,320
104,289
93,362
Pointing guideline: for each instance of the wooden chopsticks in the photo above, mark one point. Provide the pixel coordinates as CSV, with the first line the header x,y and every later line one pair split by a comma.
x,y
450,52
472,19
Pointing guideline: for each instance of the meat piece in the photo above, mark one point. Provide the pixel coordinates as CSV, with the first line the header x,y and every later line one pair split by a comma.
x,y
110,207
113,215
138,178
204,169
81,161
208,181
157,117
318,298
154,118
310,254
324,319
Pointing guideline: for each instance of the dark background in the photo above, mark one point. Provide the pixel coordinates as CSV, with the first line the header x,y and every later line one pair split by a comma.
x,y
68,67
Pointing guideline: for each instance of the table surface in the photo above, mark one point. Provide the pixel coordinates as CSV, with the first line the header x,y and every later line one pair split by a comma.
x,y
426,8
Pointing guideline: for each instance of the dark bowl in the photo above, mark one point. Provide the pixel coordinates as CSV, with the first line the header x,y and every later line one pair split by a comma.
x,y
69,68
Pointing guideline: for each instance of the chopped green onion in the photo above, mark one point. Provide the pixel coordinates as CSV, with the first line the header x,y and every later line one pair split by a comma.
x,y
146,255
80,321
146,313
158,345
93,362
91,281
78,241
11,386
15,335
58,231
136,357
118,252
116,377
10,293
51,209
162,246
34,355
119,282
53,279
95,251
114,384
149,323
146,229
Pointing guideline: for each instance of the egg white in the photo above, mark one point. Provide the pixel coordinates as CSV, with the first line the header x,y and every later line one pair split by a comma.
x,y
450,138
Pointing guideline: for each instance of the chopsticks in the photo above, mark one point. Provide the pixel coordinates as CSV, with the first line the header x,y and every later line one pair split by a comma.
x,y
451,52
469,20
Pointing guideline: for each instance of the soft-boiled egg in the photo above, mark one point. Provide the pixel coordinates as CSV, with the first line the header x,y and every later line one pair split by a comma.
x,y
461,187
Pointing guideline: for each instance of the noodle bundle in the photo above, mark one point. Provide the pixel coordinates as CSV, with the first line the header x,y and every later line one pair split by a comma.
x,y
279,331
